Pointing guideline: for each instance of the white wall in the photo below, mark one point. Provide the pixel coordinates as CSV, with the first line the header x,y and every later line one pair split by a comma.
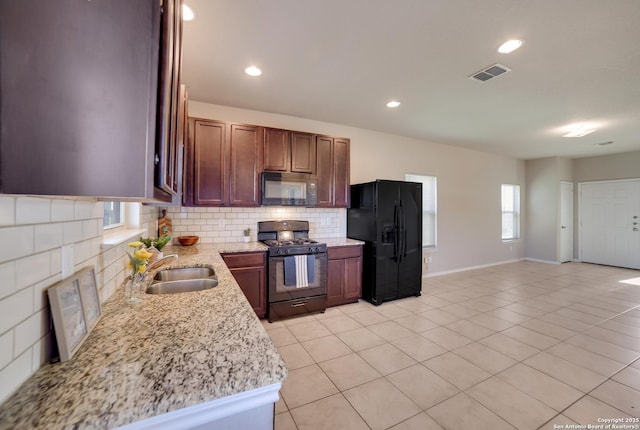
x,y
607,167
543,206
469,224
32,231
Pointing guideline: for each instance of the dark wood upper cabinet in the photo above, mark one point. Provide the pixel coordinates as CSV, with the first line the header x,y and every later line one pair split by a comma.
x,y
333,171
341,174
289,151
325,170
276,150
223,164
169,99
245,148
303,153
83,97
206,171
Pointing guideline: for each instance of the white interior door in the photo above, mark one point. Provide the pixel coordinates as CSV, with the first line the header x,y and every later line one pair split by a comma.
x,y
610,223
566,221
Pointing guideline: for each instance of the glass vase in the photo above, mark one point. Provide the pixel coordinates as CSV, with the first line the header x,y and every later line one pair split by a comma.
x,y
133,289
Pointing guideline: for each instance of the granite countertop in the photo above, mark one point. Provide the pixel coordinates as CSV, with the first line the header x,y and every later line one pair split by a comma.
x,y
169,352
340,241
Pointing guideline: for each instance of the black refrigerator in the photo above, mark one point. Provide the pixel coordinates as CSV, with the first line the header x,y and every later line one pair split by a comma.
x,y
387,216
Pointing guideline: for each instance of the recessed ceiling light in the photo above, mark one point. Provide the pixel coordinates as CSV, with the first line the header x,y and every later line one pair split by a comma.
x,y
393,104
187,13
509,46
253,71
579,130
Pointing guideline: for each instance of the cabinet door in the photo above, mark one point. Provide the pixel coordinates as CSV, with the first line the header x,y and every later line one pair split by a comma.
x,y
335,282
303,153
276,150
169,97
245,150
324,172
341,193
352,279
78,97
206,161
252,282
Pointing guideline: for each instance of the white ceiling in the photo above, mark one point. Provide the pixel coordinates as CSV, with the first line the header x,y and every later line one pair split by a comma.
x,y
340,61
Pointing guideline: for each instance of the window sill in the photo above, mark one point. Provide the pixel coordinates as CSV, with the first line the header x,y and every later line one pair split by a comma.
x,y
516,240
116,237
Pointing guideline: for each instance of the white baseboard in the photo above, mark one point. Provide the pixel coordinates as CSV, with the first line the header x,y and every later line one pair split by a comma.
x,y
535,260
464,269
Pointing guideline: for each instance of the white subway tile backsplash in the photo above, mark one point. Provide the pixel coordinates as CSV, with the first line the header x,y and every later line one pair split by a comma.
x,y
40,297
6,348
72,232
15,308
15,374
8,284
33,269
32,210
29,331
89,229
88,209
62,210
17,242
48,236
7,210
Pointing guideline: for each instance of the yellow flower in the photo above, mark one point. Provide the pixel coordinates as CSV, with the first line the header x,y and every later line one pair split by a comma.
x,y
142,254
142,268
135,244
129,265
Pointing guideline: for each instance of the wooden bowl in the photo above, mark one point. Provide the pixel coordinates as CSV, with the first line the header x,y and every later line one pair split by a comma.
x,y
187,240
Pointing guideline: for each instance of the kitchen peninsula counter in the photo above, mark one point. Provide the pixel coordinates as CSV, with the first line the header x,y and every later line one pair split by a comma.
x,y
168,353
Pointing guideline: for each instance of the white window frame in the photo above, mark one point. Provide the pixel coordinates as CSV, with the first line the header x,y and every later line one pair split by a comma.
x,y
429,208
510,206
109,207
129,216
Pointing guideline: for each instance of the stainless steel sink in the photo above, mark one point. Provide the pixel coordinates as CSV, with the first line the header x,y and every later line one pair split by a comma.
x,y
183,280
183,273
181,286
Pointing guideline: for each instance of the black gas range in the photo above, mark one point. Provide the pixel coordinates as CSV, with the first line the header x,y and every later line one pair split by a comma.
x,y
297,269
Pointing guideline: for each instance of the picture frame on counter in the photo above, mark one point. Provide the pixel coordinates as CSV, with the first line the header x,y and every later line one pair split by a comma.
x,y
75,308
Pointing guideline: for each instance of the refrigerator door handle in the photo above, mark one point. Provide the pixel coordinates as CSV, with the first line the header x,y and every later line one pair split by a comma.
x,y
396,232
401,232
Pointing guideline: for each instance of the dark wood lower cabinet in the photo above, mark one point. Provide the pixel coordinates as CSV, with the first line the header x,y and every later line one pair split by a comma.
x,y
250,272
344,282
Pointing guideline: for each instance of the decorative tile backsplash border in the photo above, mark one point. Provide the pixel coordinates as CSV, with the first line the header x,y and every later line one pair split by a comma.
x,y
220,225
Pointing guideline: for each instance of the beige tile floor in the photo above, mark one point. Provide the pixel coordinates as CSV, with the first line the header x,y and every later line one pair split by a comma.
x,y
523,345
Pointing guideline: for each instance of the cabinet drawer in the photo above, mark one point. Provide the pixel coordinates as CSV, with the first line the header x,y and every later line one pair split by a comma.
x,y
341,252
244,259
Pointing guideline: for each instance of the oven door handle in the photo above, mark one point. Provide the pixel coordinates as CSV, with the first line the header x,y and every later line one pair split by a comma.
x,y
298,304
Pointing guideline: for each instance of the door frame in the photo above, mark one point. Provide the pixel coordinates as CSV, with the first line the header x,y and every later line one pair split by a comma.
x,y
580,185
571,228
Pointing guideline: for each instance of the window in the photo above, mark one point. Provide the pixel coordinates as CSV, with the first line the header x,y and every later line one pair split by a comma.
x,y
510,212
429,206
113,214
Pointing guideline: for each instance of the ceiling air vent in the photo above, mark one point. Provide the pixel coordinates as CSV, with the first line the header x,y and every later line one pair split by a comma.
x,y
490,73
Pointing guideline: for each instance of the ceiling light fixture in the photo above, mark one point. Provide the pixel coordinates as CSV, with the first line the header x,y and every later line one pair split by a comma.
x,y
579,130
393,104
509,46
187,13
253,71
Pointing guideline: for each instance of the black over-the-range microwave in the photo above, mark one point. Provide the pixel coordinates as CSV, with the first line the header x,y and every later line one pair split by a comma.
x,y
289,189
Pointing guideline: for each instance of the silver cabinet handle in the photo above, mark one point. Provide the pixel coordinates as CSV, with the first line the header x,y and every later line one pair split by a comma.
x,y
297,305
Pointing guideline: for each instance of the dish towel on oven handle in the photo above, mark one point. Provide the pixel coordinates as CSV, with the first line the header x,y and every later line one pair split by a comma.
x,y
299,270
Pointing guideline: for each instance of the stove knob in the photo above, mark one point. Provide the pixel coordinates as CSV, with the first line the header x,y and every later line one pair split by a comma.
x,y
310,250
317,249
286,251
